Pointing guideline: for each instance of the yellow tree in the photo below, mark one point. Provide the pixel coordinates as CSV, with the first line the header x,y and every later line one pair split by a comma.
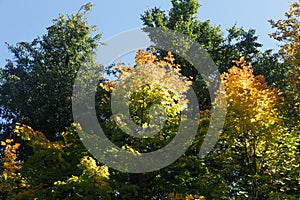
x,y
159,83
10,178
287,32
255,153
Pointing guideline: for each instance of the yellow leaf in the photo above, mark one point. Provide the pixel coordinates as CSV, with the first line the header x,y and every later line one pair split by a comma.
x,y
9,141
4,174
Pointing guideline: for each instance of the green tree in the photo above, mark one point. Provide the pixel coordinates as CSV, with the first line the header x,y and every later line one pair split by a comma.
x,y
36,87
287,33
164,86
56,170
237,42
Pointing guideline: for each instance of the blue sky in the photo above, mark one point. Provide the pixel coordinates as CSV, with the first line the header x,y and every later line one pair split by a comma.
x,y
23,20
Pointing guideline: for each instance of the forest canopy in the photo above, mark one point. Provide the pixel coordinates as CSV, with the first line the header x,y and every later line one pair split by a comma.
x,y
257,155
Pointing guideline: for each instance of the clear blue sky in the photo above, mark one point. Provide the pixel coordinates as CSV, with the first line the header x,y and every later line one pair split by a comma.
x,y
23,20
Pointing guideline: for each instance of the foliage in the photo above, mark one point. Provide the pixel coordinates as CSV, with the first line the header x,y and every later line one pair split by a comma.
x,y
91,184
56,170
36,90
159,83
257,156
252,153
288,33
11,166
36,87
223,48
214,182
173,196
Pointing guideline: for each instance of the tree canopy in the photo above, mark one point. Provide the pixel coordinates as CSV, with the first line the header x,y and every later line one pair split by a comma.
x,y
257,155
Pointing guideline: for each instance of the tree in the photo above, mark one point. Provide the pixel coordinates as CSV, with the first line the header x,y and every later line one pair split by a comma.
x,y
252,154
36,87
256,157
223,49
56,170
11,166
237,42
160,83
288,34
